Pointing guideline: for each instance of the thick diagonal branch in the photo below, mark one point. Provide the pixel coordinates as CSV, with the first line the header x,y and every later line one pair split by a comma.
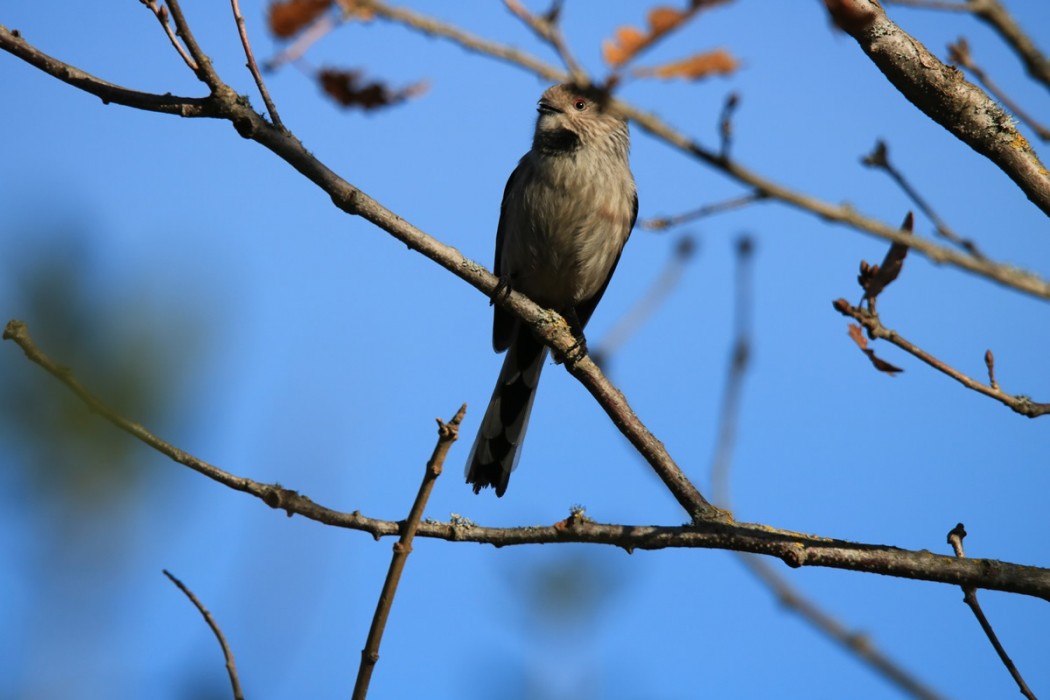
x,y
943,94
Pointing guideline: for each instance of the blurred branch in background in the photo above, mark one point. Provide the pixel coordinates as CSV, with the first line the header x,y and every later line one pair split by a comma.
x,y
646,306
879,158
729,416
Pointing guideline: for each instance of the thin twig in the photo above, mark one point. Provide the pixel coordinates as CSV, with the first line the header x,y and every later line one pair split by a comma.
x,y
231,667
871,322
955,539
959,54
663,222
12,42
879,158
472,42
547,29
242,30
161,13
794,548
447,434
785,593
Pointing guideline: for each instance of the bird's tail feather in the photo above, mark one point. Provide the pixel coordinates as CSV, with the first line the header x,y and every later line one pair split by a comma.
x,y
498,444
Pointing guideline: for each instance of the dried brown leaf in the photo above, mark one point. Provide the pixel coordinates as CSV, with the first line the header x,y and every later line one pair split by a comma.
x,y
880,276
881,364
857,334
349,89
286,19
629,41
697,66
664,19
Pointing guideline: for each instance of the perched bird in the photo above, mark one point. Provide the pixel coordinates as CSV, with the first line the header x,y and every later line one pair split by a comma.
x,y
567,211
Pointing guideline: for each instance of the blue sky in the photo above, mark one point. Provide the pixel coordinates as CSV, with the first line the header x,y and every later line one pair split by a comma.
x,y
302,346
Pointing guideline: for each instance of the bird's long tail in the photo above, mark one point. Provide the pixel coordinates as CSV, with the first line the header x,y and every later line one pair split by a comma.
x,y
498,444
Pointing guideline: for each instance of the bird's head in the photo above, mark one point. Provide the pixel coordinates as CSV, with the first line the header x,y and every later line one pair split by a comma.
x,y
572,117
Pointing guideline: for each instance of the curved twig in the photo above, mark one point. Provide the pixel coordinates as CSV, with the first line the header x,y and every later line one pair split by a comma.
x,y
227,653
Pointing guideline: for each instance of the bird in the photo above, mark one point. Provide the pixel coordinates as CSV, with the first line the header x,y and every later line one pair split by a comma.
x,y
567,212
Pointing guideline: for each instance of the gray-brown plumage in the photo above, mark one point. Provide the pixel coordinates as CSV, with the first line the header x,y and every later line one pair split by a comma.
x,y
567,211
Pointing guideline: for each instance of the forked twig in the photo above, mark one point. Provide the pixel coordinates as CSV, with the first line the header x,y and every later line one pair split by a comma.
x,y
546,28
955,539
231,667
447,434
873,325
253,67
161,13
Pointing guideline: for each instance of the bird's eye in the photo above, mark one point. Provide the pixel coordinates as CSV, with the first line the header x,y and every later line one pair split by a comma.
x,y
580,105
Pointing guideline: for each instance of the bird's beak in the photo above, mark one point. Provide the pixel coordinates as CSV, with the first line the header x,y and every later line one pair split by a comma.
x,y
546,107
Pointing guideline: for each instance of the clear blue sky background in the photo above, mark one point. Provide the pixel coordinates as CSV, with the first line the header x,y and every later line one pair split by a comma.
x,y
311,349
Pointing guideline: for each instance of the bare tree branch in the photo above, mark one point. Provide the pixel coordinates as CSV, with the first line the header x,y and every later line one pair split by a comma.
x,y
231,667
795,549
14,43
944,95
786,594
447,434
